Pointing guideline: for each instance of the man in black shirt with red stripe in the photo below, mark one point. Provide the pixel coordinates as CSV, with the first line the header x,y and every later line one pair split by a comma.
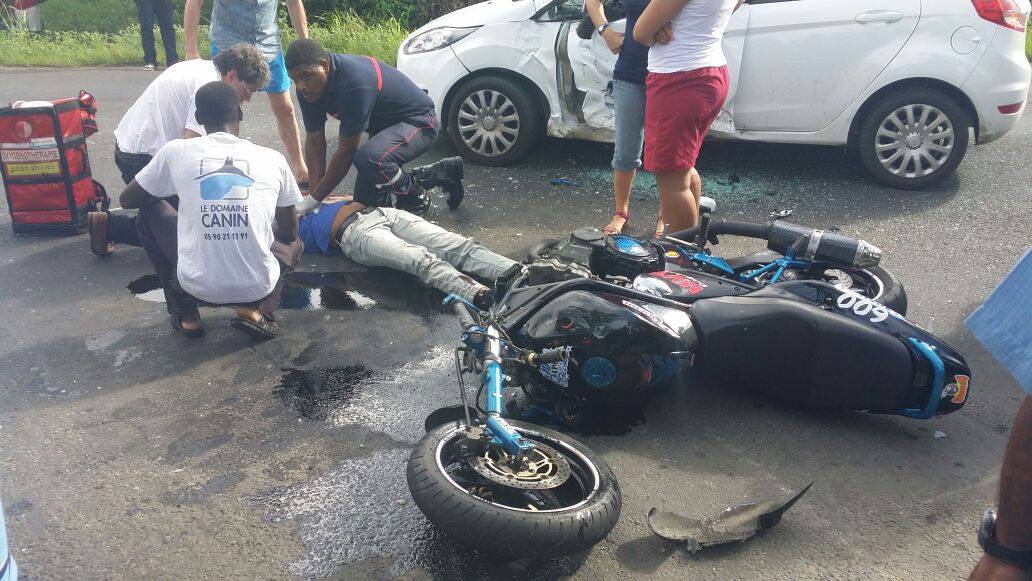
x,y
368,96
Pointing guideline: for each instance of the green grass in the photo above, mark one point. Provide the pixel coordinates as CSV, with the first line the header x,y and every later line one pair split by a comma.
x,y
345,33
1028,44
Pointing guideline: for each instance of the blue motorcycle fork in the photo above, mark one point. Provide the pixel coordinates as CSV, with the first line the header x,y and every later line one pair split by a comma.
x,y
502,433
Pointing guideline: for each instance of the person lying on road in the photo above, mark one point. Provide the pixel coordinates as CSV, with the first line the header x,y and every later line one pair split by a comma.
x,y
165,111
217,247
367,96
397,239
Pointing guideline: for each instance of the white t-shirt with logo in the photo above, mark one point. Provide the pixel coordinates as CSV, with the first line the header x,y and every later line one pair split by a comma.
x,y
229,189
165,108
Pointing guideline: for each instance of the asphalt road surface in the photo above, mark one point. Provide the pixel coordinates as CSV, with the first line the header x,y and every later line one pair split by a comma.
x,y
127,452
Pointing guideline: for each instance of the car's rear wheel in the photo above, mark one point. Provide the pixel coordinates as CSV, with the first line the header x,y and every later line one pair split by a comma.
x,y
914,137
493,121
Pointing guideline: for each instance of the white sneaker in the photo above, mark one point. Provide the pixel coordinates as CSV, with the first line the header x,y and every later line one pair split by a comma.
x,y
707,204
148,67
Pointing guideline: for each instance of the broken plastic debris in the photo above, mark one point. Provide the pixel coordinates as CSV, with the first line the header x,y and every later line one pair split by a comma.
x,y
734,525
563,182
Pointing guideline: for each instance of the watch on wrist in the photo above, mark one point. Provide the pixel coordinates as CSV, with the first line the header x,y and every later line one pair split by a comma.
x,y
602,28
987,540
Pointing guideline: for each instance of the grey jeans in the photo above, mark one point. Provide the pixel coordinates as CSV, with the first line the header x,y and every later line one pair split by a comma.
x,y
397,239
629,107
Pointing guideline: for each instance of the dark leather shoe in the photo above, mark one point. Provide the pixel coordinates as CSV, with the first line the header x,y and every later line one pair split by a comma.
x,y
100,244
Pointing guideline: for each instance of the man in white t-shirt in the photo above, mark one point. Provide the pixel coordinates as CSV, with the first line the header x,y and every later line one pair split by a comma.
x,y
165,111
217,248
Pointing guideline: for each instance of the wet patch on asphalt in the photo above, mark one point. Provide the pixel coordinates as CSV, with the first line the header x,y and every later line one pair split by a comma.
x,y
375,288
315,393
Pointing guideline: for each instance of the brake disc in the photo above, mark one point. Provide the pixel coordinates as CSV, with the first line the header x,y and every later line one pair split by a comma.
x,y
542,468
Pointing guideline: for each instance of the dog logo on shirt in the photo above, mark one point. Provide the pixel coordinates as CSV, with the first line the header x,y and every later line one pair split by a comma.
x,y
228,182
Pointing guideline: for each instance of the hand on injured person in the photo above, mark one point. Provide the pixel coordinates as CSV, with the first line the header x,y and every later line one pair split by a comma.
x,y
306,206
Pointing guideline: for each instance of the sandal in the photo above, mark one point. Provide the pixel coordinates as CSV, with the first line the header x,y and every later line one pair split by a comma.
x,y
177,326
263,329
611,231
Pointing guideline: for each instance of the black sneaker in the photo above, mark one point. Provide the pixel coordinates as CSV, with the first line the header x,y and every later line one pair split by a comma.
x,y
416,201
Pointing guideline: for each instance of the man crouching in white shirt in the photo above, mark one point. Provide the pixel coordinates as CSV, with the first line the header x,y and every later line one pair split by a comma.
x,y
217,248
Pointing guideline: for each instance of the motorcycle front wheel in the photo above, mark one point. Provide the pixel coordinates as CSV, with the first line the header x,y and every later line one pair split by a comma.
x,y
520,521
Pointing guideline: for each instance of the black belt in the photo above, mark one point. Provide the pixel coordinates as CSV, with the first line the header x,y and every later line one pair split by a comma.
x,y
354,216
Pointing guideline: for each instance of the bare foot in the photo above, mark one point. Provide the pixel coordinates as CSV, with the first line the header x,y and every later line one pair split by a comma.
x,y
249,314
616,225
190,324
660,227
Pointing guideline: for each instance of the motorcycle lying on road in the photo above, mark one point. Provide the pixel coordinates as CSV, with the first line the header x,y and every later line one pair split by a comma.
x,y
610,319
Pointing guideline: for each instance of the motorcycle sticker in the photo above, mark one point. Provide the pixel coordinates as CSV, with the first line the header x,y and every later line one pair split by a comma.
x,y
558,372
862,306
599,372
689,284
957,391
656,369
651,285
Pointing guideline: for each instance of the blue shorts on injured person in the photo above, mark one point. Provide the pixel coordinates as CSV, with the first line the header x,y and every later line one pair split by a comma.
x,y
279,81
1004,322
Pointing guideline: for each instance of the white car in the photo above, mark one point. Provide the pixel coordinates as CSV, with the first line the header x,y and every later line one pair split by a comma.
x,y
903,82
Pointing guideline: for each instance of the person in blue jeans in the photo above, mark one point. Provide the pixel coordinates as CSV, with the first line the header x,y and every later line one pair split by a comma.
x,y
255,22
1004,326
160,11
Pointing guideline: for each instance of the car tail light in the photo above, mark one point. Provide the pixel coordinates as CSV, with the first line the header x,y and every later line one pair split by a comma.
x,y
1010,109
1003,12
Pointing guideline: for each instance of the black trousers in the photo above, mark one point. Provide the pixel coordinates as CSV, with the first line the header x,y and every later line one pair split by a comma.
x,y
380,159
157,225
160,11
122,225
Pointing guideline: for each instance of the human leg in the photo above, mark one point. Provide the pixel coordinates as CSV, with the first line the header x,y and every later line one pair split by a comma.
x,y
678,204
145,14
370,241
679,111
157,225
163,16
629,109
379,162
465,254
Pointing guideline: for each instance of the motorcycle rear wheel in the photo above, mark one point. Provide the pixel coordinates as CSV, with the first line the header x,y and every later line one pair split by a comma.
x,y
564,520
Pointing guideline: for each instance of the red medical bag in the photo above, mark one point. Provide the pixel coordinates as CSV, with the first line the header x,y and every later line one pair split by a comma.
x,y
45,166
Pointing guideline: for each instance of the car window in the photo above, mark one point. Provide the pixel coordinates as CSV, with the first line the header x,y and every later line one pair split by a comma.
x,y
563,10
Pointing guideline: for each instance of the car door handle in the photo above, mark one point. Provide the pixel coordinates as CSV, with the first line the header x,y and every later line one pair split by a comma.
x,y
879,16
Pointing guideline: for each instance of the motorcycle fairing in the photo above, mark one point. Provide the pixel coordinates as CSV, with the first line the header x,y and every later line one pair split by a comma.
x,y
843,354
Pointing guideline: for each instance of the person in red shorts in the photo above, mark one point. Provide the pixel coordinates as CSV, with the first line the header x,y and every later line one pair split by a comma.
x,y
684,92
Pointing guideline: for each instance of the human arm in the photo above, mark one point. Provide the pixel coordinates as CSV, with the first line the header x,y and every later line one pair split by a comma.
x,y
656,16
191,19
134,197
298,18
1014,515
595,10
315,155
340,164
286,224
